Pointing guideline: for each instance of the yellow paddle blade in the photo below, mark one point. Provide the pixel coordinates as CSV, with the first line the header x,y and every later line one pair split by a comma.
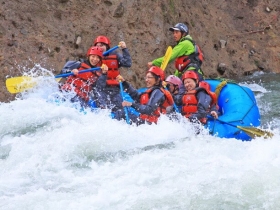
x,y
255,132
20,84
166,58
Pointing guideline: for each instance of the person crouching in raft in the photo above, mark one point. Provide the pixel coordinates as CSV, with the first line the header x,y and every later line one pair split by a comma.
x,y
83,83
151,103
196,101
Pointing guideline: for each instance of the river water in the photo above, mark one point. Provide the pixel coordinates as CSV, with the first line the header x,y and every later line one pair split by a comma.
x,y
56,157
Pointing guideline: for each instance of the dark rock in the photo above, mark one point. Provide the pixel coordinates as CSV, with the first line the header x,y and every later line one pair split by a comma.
x,y
221,68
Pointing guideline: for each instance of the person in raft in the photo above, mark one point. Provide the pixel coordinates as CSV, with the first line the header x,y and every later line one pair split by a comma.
x,y
196,101
83,83
108,86
151,103
173,83
187,54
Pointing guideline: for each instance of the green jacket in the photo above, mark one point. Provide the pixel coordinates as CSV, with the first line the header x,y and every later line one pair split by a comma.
x,y
183,47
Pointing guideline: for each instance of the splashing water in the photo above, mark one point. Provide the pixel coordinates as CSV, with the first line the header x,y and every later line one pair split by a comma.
x,y
52,156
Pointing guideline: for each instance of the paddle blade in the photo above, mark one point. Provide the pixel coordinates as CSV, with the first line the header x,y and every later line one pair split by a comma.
x,y
166,58
255,132
19,84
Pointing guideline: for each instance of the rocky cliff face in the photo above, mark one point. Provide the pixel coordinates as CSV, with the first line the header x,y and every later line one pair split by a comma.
x,y
240,36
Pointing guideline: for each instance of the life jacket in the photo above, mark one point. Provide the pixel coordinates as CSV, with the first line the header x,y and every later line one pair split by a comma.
x,y
82,83
195,59
213,95
144,98
113,69
189,103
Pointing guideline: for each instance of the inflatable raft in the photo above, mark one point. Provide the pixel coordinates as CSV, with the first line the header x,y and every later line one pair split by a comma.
x,y
238,107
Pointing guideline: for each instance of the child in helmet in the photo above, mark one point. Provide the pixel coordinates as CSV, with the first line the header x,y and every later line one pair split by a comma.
x,y
83,83
154,101
196,101
185,52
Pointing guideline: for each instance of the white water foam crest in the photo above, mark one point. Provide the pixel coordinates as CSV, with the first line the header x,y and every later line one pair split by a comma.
x,y
56,157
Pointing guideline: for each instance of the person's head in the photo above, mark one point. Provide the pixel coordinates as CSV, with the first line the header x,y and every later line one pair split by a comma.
x,y
95,55
179,30
190,80
173,83
103,42
154,76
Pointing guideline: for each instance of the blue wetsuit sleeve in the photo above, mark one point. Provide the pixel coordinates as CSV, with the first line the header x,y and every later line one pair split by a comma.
x,y
101,82
124,58
156,99
69,66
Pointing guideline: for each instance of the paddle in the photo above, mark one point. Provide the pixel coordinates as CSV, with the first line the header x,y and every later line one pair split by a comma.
x,y
20,84
80,72
166,58
249,130
163,65
125,108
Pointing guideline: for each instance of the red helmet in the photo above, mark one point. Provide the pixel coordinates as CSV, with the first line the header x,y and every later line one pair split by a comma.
x,y
95,51
182,62
190,74
102,39
157,71
205,85
174,80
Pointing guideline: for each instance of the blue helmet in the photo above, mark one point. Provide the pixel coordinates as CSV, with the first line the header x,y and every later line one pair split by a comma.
x,y
180,27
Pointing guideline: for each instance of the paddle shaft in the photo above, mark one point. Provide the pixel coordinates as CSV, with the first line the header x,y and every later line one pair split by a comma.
x,y
80,72
125,108
110,50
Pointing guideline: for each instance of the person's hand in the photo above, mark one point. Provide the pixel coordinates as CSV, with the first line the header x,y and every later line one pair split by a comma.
x,y
214,114
104,69
164,84
120,78
122,44
150,64
126,103
75,71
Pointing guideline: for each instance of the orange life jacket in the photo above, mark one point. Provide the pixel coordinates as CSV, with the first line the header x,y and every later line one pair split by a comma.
x,y
82,83
113,69
144,98
189,102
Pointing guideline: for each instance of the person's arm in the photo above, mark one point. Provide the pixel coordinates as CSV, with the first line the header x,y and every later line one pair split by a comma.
x,y
132,92
156,99
69,66
124,58
203,105
178,99
182,48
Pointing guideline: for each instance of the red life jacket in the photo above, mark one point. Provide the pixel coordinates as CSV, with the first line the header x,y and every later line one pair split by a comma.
x,y
82,83
144,98
113,69
213,95
189,102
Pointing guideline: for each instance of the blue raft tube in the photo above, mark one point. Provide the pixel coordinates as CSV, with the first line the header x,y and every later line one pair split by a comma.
x,y
238,107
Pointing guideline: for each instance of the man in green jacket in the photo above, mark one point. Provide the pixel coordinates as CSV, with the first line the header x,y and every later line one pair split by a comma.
x,y
188,56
